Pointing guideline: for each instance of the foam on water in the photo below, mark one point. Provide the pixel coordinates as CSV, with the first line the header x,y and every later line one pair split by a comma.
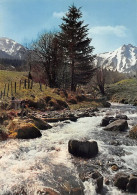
x,y
23,162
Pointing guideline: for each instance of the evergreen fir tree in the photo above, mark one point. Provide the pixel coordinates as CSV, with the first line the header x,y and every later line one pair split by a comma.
x,y
76,46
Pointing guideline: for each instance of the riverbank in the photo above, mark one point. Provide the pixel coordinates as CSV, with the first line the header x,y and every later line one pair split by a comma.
x,y
123,91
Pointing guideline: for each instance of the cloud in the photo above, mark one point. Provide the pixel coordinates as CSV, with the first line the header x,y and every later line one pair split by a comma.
x,y
119,31
58,14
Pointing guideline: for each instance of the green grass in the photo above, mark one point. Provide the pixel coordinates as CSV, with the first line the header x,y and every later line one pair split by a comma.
x,y
6,77
124,91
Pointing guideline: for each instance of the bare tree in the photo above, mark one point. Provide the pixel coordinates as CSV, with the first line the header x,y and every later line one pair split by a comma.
x,y
45,55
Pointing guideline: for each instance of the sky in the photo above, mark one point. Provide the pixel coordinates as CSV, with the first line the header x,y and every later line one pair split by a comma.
x,y
111,23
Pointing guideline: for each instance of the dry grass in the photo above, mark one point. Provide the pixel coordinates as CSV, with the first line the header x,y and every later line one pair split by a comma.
x,y
6,77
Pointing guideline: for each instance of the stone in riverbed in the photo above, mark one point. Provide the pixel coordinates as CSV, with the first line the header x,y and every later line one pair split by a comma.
x,y
106,120
133,132
28,131
83,149
118,125
19,129
47,191
40,124
106,104
132,184
121,181
122,117
99,181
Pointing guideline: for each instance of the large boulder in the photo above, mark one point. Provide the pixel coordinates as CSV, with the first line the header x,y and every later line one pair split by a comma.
x,y
83,149
121,181
118,125
133,132
28,131
126,182
132,184
21,130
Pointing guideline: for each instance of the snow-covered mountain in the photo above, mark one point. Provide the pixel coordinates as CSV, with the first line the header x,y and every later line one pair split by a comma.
x,y
123,59
11,50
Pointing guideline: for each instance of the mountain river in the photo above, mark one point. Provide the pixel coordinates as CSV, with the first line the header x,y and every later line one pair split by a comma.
x,y
29,166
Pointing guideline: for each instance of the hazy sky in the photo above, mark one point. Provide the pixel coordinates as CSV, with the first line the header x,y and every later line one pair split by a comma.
x,y
112,23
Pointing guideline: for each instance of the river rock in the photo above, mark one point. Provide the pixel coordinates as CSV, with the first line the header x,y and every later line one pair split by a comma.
x,y
47,191
40,124
133,132
106,120
132,184
118,125
114,168
106,104
122,117
28,131
99,181
83,149
121,181
3,133
20,130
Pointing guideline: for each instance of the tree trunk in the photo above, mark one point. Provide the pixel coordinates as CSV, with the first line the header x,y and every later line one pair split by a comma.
x,y
102,89
73,87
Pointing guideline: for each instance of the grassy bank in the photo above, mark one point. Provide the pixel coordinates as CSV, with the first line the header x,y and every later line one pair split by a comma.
x,y
8,79
124,91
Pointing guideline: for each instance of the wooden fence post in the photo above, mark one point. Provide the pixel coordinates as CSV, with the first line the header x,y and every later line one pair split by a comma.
x,y
8,87
11,89
25,83
15,87
20,85
40,86
4,89
28,84
31,84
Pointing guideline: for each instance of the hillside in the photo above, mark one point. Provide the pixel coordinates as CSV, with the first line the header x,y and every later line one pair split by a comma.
x,y
6,77
124,91
36,95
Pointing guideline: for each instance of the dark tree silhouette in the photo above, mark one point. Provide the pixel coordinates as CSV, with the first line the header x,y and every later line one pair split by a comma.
x,y
76,46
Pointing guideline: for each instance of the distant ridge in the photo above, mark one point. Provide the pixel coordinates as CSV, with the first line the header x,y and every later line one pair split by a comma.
x,y
11,50
123,59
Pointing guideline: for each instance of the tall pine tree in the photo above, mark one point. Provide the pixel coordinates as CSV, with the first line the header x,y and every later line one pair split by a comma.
x,y
76,46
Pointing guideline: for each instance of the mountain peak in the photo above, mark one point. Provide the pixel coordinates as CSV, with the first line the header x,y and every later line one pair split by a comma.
x,y
128,46
12,48
123,59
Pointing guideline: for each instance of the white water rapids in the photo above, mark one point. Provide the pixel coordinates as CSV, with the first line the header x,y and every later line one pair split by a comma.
x,y
45,162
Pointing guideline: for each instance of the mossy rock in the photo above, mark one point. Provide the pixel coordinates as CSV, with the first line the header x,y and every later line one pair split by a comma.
x,y
3,133
63,104
31,103
28,131
40,124
22,130
133,132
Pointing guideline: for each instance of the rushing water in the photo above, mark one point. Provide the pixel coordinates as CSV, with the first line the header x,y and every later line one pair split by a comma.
x,y
45,162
